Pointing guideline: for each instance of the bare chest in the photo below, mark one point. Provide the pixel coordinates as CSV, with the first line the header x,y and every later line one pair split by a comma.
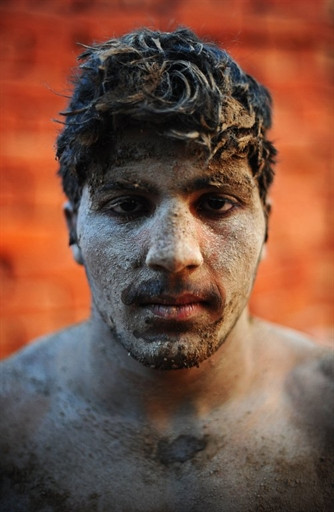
x,y
97,463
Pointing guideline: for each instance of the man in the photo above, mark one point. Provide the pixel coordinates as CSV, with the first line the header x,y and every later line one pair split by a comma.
x,y
171,397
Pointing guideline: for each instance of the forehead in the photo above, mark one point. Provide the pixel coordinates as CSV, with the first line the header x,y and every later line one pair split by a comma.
x,y
144,158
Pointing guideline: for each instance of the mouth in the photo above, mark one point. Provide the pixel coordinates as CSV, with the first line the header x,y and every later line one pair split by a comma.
x,y
174,304
176,308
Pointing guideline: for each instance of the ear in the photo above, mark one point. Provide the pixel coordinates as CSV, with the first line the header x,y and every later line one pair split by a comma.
x,y
267,212
263,253
71,216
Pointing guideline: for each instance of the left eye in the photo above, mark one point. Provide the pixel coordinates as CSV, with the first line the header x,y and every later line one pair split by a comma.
x,y
215,205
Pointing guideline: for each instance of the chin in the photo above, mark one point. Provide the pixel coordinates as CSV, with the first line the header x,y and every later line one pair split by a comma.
x,y
170,354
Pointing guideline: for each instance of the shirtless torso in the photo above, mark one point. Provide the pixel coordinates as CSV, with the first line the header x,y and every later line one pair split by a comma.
x,y
267,446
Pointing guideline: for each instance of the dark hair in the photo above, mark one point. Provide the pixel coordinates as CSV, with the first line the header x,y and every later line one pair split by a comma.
x,y
189,89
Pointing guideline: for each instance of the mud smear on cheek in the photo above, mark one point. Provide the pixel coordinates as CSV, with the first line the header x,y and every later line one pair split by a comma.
x,y
109,262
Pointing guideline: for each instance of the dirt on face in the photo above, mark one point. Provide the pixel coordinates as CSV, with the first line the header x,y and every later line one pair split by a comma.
x,y
163,233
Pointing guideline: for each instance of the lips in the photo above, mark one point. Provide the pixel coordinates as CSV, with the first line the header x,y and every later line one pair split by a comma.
x,y
173,300
177,308
179,302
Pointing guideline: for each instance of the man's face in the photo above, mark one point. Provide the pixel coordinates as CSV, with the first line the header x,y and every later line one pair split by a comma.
x,y
171,247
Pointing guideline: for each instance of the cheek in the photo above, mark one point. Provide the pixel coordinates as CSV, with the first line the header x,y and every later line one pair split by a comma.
x,y
234,252
109,255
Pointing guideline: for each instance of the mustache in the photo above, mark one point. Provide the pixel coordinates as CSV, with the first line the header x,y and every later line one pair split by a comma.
x,y
154,289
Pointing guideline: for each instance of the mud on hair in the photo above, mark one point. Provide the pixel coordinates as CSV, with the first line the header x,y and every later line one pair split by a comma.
x,y
175,82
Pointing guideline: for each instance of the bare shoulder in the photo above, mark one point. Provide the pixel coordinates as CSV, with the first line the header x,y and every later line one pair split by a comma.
x,y
31,381
310,361
307,372
293,346
29,377
310,386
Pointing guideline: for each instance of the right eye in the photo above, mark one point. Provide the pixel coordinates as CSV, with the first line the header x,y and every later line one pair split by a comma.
x,y
128,207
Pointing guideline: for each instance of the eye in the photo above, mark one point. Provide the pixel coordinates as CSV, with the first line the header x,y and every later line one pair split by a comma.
x,y
215,205
128,207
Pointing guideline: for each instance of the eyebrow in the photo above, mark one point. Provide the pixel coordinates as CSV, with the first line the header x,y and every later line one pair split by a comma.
x,y
242,182
131,186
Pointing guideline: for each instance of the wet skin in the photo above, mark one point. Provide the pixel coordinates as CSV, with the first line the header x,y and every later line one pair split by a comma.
x,y
171,248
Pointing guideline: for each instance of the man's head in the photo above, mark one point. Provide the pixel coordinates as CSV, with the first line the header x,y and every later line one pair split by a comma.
x,y
165,160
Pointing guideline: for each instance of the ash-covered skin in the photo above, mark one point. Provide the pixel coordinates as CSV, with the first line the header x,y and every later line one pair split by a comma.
x,y
172,245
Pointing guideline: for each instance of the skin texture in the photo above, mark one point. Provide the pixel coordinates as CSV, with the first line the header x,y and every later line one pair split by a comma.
x,y
171,397
171,262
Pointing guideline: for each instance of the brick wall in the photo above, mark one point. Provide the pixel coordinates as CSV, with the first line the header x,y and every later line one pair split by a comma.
x,y
284,43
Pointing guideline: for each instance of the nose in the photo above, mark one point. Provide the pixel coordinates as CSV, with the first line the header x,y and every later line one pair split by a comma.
x,y
174,244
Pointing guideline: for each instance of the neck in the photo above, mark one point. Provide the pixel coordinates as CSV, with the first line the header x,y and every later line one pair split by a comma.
x,y
118,381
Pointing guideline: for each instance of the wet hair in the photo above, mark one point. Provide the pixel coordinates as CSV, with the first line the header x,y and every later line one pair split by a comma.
x,y
174,82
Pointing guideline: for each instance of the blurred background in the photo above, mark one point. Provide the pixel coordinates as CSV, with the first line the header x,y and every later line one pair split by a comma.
x,y
285,44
